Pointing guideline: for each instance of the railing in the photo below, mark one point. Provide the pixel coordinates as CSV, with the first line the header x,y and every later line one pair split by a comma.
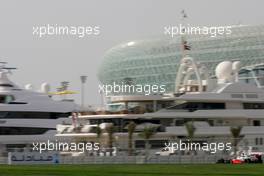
x,y
139,159
3,160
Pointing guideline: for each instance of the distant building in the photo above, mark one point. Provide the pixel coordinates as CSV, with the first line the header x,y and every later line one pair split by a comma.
x,y
155,61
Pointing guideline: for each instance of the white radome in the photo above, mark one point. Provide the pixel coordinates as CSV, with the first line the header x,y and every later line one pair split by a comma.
x,y
29,87
236,66
45,87
224,70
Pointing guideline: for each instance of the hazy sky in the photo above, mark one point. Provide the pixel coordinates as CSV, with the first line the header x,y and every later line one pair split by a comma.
x,y
54,59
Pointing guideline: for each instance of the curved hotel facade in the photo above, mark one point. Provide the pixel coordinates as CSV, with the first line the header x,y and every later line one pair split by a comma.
x,y
155,61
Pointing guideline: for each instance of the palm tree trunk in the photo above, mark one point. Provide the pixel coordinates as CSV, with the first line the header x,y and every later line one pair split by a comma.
x,y
111,144
130,145
147,148
235,147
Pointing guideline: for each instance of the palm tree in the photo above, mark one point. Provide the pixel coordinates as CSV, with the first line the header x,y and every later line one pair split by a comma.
x,y
131,129
98,132
146,134
235,131
190,128
110,131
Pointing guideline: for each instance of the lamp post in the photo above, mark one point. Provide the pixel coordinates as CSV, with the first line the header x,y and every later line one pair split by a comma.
x,y
83,80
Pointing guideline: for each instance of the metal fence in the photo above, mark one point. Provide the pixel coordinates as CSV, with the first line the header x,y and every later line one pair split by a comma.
x,y
139,159
174,159
3,160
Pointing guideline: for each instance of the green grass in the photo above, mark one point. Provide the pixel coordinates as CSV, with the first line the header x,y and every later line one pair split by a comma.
x,y
134,170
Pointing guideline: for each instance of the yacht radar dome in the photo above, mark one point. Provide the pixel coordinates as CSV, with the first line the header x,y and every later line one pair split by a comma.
x,y
45,88
236,66
29,87
223,71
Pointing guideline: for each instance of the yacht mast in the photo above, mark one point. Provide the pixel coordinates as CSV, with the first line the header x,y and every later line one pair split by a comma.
x,y
187,65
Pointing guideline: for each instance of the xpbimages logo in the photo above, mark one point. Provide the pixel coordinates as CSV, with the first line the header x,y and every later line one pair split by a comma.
x,y
126,88
65,146
212,31
65,30
197,146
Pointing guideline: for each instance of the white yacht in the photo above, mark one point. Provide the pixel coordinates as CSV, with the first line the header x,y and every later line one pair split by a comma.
x,y
213,111
28,116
